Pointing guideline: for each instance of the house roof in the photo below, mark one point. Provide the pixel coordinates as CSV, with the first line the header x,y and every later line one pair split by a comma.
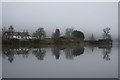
x,y
17,33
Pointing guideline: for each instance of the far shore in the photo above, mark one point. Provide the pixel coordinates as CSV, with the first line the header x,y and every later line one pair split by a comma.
x,y
33,42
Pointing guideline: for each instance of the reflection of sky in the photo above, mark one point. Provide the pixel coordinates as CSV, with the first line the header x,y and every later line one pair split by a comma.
x,y
87,65
86,17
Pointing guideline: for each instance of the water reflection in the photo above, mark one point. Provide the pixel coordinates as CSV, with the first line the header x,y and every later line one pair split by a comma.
x,y
39,53
106,52
70,52
10,53
56,51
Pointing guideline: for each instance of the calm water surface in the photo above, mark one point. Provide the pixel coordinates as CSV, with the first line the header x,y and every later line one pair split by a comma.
x,y
60,62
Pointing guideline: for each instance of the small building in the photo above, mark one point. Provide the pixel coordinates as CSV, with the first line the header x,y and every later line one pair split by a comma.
x,y
17,35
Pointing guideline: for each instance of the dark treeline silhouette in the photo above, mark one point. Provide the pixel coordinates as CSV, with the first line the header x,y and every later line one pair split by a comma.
x,y
71,36
11,37
69,51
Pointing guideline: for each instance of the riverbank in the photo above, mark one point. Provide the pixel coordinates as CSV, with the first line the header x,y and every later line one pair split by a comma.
x,y
38,42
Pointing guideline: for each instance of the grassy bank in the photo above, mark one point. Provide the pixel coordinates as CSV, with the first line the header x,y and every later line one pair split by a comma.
x,y
27,41
38,42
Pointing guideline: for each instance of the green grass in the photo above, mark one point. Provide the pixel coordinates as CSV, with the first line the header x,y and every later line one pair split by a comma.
x,y
47,41
27,41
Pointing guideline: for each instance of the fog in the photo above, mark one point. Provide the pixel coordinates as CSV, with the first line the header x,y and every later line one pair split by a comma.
x,y
88,17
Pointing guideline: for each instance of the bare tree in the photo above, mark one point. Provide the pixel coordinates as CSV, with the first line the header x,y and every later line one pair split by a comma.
x,y
106,34
68,33
11,29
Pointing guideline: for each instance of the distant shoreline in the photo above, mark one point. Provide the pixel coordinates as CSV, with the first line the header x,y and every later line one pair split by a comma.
x,y
30,42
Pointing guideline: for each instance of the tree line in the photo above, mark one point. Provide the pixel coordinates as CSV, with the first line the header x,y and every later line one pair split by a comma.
x,y
41,33
70,34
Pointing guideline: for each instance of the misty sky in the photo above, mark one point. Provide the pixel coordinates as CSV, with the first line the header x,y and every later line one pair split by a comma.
x,y
87,17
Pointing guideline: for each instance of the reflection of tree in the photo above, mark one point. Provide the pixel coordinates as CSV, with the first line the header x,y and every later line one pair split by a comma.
x,y
77,51
91,48
106,53
56,51
22,51
11,52
39,53
70,52
106,49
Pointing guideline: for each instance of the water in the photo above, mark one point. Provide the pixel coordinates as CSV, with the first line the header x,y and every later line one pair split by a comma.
x,y
60,62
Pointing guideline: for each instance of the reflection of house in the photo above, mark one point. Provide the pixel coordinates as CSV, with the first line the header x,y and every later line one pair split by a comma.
x,y
17,35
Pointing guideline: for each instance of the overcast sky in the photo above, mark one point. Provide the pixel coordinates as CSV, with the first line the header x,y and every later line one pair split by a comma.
x,y
88,17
